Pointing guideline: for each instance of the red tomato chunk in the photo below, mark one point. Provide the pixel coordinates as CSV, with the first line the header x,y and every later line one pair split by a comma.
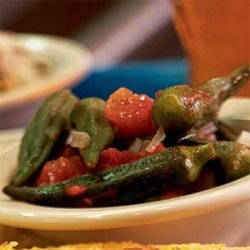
x,y
112,157
130,113
66,166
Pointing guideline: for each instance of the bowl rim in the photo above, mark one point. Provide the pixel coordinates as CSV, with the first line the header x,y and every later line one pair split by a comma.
x,y
46,218
25,215
82,64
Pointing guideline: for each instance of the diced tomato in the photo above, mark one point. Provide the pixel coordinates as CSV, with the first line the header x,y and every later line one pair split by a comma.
x,y
160,148
130,113
68,151
112,157
62,168
76,190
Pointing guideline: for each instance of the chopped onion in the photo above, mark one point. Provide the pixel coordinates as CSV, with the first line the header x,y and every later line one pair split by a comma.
x,y
208,129
156,140
244,138
78,139
206,132
145,144
136,146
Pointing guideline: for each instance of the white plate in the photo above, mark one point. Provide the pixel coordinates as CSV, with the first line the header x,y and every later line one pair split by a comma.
x,y
24,215
70,61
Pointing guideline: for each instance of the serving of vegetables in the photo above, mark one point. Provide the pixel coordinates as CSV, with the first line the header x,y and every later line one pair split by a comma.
x,y
130,148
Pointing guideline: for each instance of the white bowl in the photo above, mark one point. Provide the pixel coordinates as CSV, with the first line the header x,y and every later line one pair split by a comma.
x,y
70,61
216,215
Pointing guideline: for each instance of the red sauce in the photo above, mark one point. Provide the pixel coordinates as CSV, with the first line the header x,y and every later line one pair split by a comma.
x,y
76,190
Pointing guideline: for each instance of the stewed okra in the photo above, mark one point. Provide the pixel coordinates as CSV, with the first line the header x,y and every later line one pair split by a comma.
x,y
130,148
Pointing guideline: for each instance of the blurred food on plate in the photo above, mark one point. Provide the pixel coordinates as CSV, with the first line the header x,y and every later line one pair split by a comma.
x,y
32,67
18,65
129,245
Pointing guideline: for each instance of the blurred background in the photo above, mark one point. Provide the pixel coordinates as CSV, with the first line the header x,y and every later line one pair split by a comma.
x,y
133,43
114,30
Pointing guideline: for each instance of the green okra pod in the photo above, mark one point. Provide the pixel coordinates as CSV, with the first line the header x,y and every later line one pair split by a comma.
x,y
42,134
179,164
234,159
181,108
222,88
225,132
88,116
